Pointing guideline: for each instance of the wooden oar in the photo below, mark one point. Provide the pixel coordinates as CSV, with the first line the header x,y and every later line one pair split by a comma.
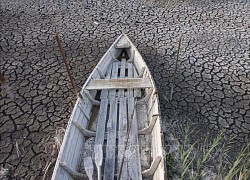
x,y
98,159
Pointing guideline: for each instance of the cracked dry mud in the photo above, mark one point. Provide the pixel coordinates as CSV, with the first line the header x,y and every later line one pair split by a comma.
x,y
212,80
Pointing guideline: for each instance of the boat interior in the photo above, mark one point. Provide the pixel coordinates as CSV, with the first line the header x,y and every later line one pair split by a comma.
x,y
114,131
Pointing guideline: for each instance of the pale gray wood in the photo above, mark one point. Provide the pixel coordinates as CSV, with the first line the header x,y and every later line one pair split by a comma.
x,y
151,106
131,59
102,119
123,43
142,72
122,133
113,57
142,117
100,73
79,139
109,168
146,98
130,75
133,154
101,122
104,93
85,132
88,167
80,105
98,158
137,92
148,130
124,83
91,99
67,153
122,75
150,172
70,171
112,92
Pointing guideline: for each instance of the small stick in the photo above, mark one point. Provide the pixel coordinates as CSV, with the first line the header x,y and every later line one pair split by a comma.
x,y
66,64
174,76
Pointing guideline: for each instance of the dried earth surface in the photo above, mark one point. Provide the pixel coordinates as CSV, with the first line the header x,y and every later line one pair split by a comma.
x,y
212,85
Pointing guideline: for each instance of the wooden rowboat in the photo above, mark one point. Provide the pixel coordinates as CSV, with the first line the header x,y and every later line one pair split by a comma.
x,y
114,131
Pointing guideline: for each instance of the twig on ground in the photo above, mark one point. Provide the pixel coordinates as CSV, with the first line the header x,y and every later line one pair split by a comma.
x,y
174,75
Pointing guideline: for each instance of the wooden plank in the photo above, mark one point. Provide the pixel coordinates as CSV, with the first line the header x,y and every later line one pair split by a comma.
x,y
124,83
130,75
112,92
104,93
122,136
109,168
137,92
122,75
133,154
101,124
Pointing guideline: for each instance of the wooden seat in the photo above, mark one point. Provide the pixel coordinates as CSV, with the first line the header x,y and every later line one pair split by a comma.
x,y
125,83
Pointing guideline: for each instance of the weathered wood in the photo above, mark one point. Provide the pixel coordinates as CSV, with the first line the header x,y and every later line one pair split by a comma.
x,y
98,158
130,75
146,98
125,83
104,93
142,72
109,169
79,139
113,57
142,116
133,155
100,73
69,170
122,75
67,155
91,99
76,139
123,43
99,140
148,130
137,92
131,59
101,125
83,130
150,172
152,106
122,137
88,167
112,92
80,105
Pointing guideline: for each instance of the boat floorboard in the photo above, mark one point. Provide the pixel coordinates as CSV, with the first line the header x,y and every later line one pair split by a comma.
x,y
116,108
